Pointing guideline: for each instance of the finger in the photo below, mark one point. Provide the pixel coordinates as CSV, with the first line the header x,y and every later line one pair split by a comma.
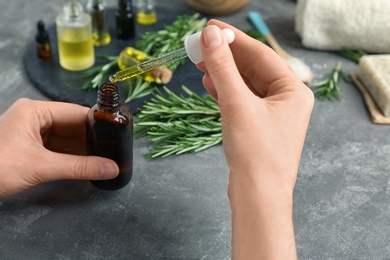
x,y
259,63
62,126
63,119
207,82
58,166
209,86
69,145
220,65
201,67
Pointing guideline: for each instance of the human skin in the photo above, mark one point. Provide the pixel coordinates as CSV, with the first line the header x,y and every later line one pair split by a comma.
x,y
265,112
43,141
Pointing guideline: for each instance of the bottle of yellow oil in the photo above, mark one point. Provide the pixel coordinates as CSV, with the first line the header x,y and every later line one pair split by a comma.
x,y
146,13
97,10
74,35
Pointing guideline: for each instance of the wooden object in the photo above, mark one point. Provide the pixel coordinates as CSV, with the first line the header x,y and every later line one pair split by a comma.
x,y
217,7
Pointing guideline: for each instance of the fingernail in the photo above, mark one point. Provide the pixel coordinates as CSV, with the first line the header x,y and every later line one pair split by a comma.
x,y
108,170
212,36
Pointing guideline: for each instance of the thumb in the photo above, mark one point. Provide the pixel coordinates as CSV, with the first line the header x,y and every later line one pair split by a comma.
x,y
66,166
221,69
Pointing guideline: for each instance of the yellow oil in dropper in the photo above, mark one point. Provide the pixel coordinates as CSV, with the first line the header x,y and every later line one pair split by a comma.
x,y
148,65
191,49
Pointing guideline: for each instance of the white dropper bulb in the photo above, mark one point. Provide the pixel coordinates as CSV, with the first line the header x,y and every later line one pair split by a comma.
x,y
192,45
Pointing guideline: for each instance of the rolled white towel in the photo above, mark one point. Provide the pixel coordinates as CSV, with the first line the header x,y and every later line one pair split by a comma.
x,y
337,24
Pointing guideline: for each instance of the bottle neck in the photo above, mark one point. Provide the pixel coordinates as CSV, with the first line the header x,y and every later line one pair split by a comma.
x,y
73,11
125,5
95,5
41,36
108,97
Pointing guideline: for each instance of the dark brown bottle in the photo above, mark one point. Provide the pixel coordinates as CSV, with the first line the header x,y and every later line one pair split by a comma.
x,y
42,42
125,20
98,13
110,135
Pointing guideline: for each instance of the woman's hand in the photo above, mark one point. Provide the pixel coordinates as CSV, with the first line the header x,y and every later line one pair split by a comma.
x,y
46,141
265,112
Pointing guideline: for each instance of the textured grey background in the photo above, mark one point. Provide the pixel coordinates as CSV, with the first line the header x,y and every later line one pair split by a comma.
x,y
177,207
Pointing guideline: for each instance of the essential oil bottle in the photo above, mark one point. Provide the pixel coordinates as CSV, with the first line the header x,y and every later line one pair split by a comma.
x,y
125,20
110,135
146,14
74,35
43,42
97,11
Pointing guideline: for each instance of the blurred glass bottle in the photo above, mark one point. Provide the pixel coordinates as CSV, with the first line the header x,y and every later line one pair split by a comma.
x,y
74,35
43,41
146,14
125,22
97,11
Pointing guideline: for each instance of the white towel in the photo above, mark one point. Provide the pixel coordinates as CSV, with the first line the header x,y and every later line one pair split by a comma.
x,y
337,24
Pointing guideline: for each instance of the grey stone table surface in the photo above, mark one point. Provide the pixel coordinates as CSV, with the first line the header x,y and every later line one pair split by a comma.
x,y
177,207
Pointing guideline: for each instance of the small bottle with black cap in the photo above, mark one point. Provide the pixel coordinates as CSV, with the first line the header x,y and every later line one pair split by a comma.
x,y
125,20
43,42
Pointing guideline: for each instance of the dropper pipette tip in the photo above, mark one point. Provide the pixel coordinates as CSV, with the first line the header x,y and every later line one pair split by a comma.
x,y
111,79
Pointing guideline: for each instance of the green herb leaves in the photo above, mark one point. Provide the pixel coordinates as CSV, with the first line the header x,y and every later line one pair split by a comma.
x,y
155,44
353,55
328,89
100,72
179,124
138,89
171,37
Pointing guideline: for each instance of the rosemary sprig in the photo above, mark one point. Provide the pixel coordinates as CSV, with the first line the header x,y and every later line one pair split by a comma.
x,y
99,72
155,44
328,89
171,37
179,124
138,89
353,55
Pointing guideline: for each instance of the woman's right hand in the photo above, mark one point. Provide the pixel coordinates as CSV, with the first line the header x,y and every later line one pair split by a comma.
x,y
265,112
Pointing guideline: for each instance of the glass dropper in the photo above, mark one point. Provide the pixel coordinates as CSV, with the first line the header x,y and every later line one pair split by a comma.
x,y
149,65
191,49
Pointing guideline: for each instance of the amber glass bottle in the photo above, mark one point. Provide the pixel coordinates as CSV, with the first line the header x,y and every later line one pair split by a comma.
x,y
110,135
43,42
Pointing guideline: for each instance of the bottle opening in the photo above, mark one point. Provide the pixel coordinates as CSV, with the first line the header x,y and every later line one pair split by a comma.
x,y
108,87
108,95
